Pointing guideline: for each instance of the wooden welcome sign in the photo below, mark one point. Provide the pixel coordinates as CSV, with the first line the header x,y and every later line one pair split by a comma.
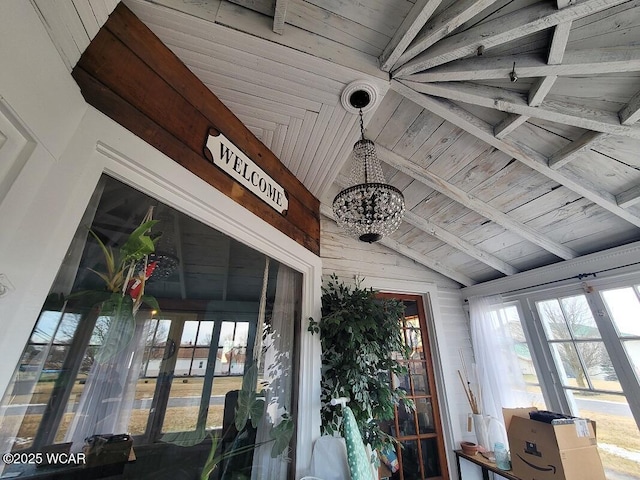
x,y
131,76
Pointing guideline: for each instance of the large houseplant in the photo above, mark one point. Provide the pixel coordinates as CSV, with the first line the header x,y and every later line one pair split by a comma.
x,y
362,347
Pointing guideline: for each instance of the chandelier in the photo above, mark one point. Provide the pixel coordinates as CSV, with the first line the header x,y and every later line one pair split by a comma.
x,y
369,209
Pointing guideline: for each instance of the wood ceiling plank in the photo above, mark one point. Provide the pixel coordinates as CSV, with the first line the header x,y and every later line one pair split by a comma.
x,y
341,147
426,226
458,156
406,113
499,31
379,15
417,133
304,137
443,24
576,62
445,135
228,95
314,143
470,201
410,27
63,23
412,254
374,124
435,265
323,22
510,102
316,171
529,157
571,151
238,71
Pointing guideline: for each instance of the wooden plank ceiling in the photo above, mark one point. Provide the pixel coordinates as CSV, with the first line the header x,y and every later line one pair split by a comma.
x,y
499,176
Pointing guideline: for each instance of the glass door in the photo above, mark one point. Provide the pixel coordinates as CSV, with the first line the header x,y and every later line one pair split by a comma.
x,y
422,455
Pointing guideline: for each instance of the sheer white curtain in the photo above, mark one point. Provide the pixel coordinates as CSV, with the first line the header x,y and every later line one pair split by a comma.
x,y
107,399
499,376
278,372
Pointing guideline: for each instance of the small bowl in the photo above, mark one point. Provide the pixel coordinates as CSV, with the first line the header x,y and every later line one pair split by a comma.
x,y
469,448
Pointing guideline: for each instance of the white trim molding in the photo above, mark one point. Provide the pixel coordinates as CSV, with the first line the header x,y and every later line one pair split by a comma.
x,y
614,261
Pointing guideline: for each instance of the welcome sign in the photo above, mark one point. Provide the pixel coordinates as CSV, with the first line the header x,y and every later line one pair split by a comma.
x,y
231,160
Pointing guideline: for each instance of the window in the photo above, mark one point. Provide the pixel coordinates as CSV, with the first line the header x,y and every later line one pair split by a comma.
x,y
589,340
175,379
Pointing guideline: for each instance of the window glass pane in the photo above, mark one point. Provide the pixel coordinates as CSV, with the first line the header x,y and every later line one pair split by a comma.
x,y
411,460
430,458
616,430
205,333
624,307
46,327
183,406
598,364
406,421
569,365
579,318
632,347
553,320
67,328
424,411
418,372
189,333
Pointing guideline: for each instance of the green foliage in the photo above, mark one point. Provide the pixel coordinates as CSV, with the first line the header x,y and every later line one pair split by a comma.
x,y
361,341
250,406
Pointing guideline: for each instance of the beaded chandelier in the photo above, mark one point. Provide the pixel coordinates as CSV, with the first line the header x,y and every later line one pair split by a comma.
x,y
369,209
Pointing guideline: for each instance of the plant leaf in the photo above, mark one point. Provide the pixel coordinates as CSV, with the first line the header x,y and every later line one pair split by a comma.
x,y
282,434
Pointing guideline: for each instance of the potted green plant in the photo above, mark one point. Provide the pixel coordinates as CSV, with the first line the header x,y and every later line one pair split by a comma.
x,y
362,348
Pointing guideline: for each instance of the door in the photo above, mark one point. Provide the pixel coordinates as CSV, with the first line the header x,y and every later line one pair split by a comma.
x,y
422,455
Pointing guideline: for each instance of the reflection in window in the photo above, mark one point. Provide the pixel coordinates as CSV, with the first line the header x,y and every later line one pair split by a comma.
x,y
178,375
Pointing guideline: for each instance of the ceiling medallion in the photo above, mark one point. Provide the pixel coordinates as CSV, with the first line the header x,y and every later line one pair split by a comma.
x,y
369,209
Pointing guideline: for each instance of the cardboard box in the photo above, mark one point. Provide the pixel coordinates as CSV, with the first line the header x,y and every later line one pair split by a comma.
x,y
543,451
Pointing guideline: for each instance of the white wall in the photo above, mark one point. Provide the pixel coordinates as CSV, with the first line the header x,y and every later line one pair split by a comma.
x,y
385,270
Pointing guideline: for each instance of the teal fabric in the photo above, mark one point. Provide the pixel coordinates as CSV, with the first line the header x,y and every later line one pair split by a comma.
x,y
359,465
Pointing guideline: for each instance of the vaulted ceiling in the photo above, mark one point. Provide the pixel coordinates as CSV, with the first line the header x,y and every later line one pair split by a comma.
x,y
509,125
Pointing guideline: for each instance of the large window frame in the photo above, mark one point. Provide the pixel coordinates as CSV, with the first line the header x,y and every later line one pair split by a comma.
x,y
100,146
550,376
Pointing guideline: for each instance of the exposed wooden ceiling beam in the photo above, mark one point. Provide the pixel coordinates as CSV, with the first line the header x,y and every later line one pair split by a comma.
x,y
422,259
509,124
518,24
572,150
535,160
629,197
577,62
630,113
470,201
441,26
460,244
559,43
410,27
279,16
450,239
513,102
540,89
